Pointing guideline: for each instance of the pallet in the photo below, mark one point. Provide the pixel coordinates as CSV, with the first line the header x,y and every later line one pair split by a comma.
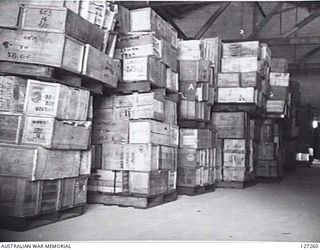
x,y
21,224
194,124
268,179
252,109
235,184
52,74
131,200
192,191
141,87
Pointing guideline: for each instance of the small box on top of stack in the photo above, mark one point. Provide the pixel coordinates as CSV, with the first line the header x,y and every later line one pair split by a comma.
x,y
41,151
135,130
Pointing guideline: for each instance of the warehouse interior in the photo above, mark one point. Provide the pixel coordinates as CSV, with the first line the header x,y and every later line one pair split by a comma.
x,y
159,121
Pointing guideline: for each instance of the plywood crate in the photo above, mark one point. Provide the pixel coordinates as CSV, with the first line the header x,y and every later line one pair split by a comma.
x,y
11,127
63,21
12,93
142,69
193,91
49,132
267,151
35,163
152,22
196,138
100,67
233,125
234,174
109,181
138,45
238,95
138,157
148,131
240,64
190,157
49,49
279,79
56,100
241,49
148,183
194,70
279,65
135,106
18,196
194,110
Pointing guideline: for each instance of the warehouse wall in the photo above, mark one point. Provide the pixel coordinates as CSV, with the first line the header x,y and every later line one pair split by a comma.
x,y
245,15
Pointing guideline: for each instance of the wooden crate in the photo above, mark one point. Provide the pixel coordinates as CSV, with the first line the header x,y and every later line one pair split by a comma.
x,y
266,168
61,20
279,65
18,196
170,114
235,160
234,174
238,95
138,157
50,49
38,163
267,151
100,67
240,64
194,71
11,127
49,196
56,100
171,79
190,157
192,177
244,80
142,69
194,110
279,79
51,133
193,91
169,56
148,183
148,131
12,93
195,138
241,49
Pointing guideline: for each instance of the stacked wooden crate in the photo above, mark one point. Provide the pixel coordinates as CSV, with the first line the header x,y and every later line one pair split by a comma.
x,y
135,130
196,157
50,60
242,89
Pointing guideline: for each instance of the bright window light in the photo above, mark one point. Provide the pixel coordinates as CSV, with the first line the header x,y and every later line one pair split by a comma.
x,y
315,124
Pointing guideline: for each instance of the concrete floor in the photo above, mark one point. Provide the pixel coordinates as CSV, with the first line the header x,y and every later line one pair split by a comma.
x,y
286,211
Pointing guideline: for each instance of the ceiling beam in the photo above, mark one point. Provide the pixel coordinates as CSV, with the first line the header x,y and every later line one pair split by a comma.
x,y
139,4
212,19
303,23
309,54
260,9
298,68
279,41
265,21
186,10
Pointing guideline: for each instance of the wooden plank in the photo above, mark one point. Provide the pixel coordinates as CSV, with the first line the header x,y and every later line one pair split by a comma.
x,y
264,21
211,20
303,23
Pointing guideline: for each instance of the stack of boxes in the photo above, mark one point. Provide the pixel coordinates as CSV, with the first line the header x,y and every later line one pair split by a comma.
x,y
45,164
136,135
40,146
242,89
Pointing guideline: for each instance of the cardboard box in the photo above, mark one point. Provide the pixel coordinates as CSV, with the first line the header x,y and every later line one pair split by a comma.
x,y
63,21
36,163
241,49
139,44
230,125
12,93
100,67
11,128
148,183
194,71
148,131
109,181
56,100
191,158
50,133
195,138
279,79
142,69
138,157
49,49
237,95
240,64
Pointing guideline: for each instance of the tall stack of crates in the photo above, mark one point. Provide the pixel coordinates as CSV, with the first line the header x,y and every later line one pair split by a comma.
x,y
242,89
50,61
196,157
135,130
